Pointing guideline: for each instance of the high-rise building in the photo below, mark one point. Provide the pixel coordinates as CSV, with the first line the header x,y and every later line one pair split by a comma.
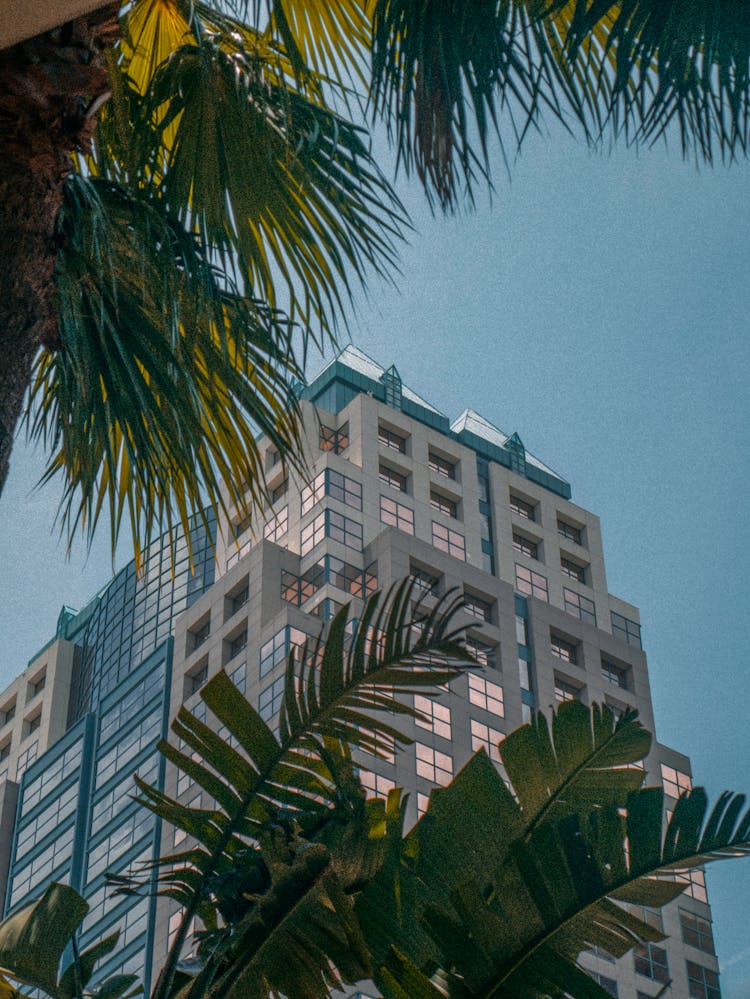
x,y
393,488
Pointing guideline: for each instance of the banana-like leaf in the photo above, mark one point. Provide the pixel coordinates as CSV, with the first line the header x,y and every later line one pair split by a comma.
x,y
304,776
582,763
502,906
34,937
153,404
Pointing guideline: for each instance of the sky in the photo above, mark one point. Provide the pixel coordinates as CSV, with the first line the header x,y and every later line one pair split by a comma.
x,y
598,306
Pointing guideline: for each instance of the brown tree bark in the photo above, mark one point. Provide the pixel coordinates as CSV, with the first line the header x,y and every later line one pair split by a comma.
x,y
50,90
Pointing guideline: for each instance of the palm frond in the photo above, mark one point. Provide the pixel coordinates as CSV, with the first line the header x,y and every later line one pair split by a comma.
x,y
152,406
503,907
334,695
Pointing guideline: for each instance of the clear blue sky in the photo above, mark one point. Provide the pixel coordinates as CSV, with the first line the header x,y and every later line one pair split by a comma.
x,y
600,308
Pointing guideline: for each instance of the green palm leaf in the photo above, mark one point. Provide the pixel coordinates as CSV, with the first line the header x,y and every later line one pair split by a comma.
x,y
303,776
153,404
503,905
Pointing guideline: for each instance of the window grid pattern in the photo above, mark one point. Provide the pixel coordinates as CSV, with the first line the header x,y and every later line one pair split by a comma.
x,y
485,655
434,766
522,507
25,759
424,581
614,674
572,569
703,983
54,774
697,932
117,799
651,961
40,867
486,694
447,540
675,781
525,546
696,884
443,504
334,484
270,699
390,439
441,466
568,530
437,716
563,649
579,606
396,515
335,440
531,584
377,785
46,821
627,630
392,478
275,528
276,650
477,607
484,737
565,691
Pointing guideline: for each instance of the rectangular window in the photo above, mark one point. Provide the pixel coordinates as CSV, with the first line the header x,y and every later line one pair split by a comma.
x,y
696,931
313,533
344,530
276,650
478,608
276,527
195,680
334,440
572,569
567,530
486,694
565,691
533,584
437,716
580,606
446,540
696,883
313,492
443,504
343,488
391,477
433,765
396,515
36,686
270,699
376,784
628,631
484,654
237,644
563,649
441,466
8,713
279,491
390,439
608,984
199,634
614,674
525,546
522,507
32,724
675,782
424,581
484,737
5,751
651,961
238,599
703,983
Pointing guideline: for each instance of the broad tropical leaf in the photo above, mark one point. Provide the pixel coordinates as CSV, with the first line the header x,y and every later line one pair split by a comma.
x,y
301,779
504,905
152,406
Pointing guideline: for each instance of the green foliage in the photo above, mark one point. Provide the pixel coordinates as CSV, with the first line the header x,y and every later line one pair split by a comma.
x,y
501,905
274,863
34,940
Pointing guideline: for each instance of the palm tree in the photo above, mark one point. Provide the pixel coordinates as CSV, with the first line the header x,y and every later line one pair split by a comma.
x,y
303,885
185,201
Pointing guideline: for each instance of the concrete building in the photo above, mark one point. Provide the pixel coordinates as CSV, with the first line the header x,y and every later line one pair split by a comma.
x,y
393,488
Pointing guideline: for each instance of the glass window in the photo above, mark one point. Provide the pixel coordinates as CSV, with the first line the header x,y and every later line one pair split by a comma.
x,y
129,746
484,654
532,584
696,883
391,439
563,649
8,712
443,504
65,765
565,691
615,674
392,478
334,440
703,983
525,546
313,533
344,530
567,530
25,759
425,581
608,984
486,694
437,716
446,540
276,650
279,491
376,784
276,527
238,599
236,645
477,607
53,815
396,515
36,686
195,679
269,702
522,507
572,569
628,631
433,765
696,931
199,634
331,483
651,961
579,606
442,466
484,737
522,630
675,781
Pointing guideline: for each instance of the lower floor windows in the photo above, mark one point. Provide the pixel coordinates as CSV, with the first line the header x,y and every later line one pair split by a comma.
x,y
696,931
484,737
580,606
651,961
532,584
433,765
703,983
396,515
566,691
446,540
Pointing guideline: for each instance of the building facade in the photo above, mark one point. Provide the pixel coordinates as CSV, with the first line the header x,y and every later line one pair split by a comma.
x,y
392,488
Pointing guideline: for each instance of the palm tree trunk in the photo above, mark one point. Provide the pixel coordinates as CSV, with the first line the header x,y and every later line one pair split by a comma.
x,y
50,89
